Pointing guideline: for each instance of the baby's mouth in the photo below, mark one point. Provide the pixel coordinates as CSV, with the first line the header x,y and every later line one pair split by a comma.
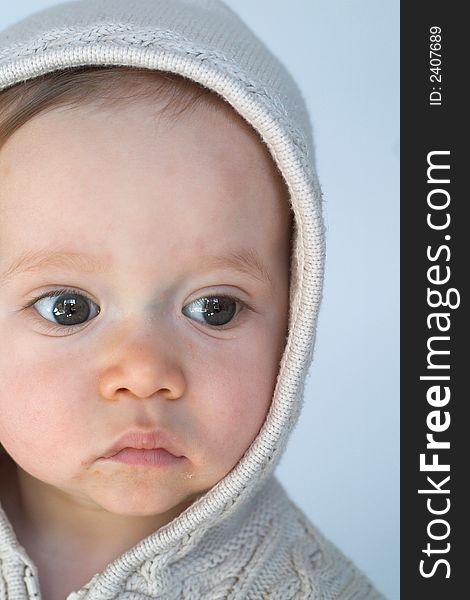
x,y
144,441
156,457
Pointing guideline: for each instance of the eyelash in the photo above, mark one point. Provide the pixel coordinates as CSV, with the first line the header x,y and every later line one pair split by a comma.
x,y
72,328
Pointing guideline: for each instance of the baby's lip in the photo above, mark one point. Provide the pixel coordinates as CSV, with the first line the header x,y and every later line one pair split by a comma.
x,y
143,440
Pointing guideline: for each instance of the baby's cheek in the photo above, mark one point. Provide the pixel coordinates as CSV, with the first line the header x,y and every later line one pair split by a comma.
x,y
17,417
38,423
232,407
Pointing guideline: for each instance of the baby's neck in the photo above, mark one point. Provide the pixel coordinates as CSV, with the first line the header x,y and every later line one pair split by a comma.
x,y
60,570
68,541
64,563
9,497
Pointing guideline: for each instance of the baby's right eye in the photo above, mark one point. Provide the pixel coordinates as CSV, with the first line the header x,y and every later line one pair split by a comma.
x,y
215,311
69,307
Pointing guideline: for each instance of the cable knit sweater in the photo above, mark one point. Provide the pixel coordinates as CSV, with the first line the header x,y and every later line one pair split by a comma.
x,y
267,550
243,539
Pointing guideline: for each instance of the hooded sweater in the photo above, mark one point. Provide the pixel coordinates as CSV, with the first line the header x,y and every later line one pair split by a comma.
x,y
244,539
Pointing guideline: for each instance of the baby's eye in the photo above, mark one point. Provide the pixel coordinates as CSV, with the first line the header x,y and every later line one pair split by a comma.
x,y
65,307
68,308
216,311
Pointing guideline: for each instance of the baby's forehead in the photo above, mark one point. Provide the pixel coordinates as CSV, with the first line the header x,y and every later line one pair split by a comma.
x,y
164,99
187,189
193,166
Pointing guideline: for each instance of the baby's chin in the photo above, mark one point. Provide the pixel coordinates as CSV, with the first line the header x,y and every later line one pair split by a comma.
x,y
118,490
140,494
161,505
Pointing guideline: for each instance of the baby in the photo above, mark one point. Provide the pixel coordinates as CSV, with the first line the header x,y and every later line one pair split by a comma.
x,y
157,310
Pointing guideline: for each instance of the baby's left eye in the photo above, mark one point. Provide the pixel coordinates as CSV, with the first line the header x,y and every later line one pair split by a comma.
x,y
69,307
216,311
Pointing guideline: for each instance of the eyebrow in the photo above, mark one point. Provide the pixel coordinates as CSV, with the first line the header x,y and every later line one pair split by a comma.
x,y
33,261
245,261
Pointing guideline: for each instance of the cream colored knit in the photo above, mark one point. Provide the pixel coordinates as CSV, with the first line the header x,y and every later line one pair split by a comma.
x,y
244,538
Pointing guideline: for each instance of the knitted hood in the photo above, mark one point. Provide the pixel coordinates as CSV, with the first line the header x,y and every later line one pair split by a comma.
x,y
207,42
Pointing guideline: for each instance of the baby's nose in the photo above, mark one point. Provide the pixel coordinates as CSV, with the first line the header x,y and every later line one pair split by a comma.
x,y
143,366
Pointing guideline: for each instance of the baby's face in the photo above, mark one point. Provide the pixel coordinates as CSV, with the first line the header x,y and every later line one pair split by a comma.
x,y
140,222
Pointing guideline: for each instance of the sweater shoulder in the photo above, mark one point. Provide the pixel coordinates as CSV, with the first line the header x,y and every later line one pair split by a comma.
x,y
304,564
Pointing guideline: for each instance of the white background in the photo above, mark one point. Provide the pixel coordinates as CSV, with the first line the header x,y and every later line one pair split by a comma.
x,y
342,462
